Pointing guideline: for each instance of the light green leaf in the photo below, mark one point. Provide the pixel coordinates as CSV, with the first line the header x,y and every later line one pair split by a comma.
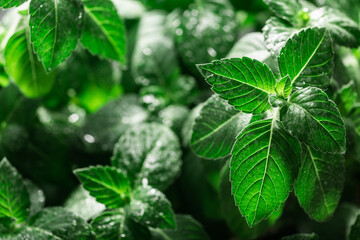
x,y
347,96
55,27
349,7
302,236
11,3
286,9
114,225
283,87
307,58
319,183
314,119
62,224
107,184
166,5
355,229
148,152
355,117
263,168
244,82
104,32
82,204
216,128
14,197
22,64
186,228
150,207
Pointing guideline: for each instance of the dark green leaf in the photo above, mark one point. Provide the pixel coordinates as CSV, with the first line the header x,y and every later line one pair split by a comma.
x,y
103,129
24,67
62,224
55,29
104,32
166,5
150,153
14,197
216,128
82,204
314,119
244,82
283,87
285,9
107,184
150,207
302,236
11,3
263,168
307,58
186,228
114,225
319,183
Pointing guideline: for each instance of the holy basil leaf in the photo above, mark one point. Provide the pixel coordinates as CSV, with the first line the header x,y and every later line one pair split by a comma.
x,y
263,168
343,30
244,82
107,184
62,224
11,3
55,29
283,87
212,20
355,229
285,9
114,225
150,207
22,64
307,58
302,236
82,204
149,153
216,127
14,197
103,32
186,228
319,183
314,119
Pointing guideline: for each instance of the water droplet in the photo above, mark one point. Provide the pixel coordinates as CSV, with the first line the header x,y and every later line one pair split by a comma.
x,y
211,52
89,138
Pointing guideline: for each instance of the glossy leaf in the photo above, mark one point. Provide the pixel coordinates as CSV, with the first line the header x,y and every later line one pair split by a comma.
x,y
22,64
244,82
150,207
55,27
14,197
33,233
307,58
114,225
263,168
319,184
148,153
216,128
283,87
11,3
108,185
285,9
186,228
62,224
103,32
315,120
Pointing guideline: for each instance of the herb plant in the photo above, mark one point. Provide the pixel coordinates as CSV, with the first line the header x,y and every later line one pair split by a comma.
x,y
192,119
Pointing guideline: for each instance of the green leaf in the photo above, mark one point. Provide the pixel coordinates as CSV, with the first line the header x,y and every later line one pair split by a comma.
x,y
214,21
286,9
150,207
307,58
355,117
347,97
103,129
173,117
343,30
62,224
283,87
22,64
216,128
166,5
55,29
114,225
348,7
319,183
82,204
11,3
314,119
14,197
186,228
244,82
263,168
104,32
107,184
302,236
187,129
355,229
150,153
33,233
37,197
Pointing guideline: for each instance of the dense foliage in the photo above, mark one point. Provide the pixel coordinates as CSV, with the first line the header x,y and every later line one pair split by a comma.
x,y
179,119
